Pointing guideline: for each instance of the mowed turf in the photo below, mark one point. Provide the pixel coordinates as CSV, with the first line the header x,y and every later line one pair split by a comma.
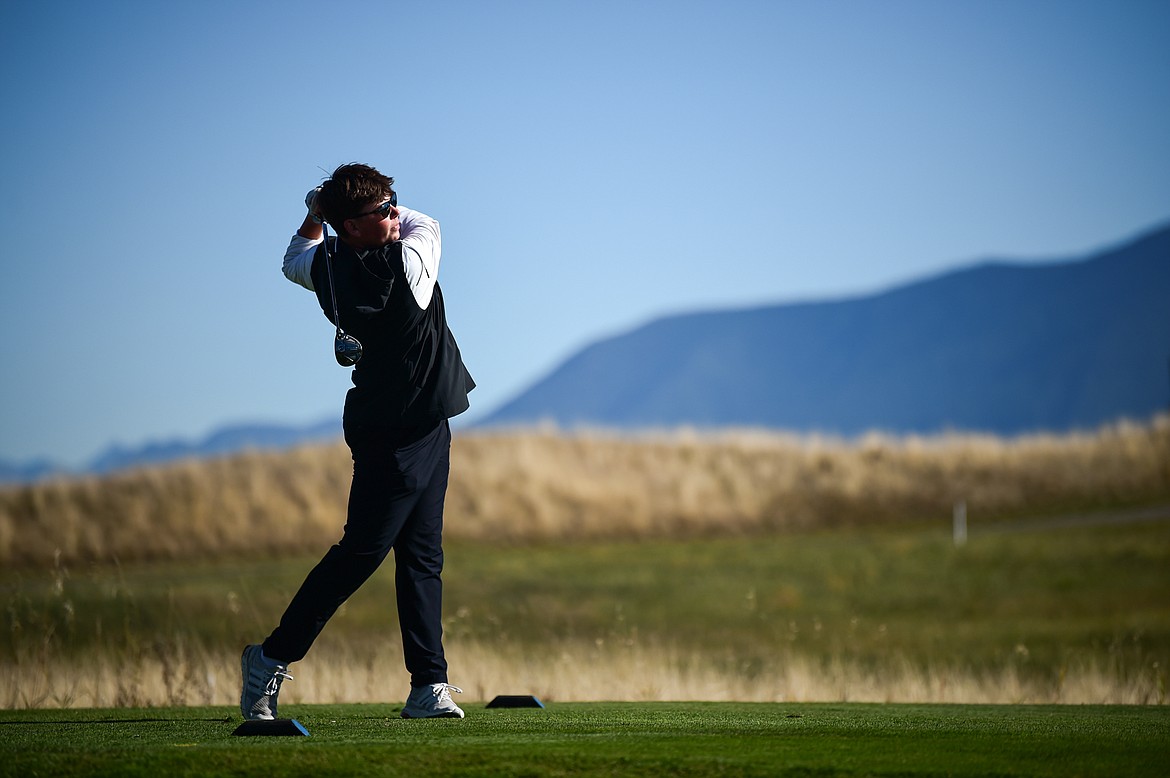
x,y
626,739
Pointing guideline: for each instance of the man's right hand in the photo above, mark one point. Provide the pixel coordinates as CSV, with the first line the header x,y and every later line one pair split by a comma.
x,y
311,204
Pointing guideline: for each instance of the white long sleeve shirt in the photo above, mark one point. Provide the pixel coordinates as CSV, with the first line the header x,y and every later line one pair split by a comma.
x,y
422,246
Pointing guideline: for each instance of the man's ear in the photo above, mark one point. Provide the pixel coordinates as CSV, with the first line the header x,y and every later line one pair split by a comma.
x,y
350,229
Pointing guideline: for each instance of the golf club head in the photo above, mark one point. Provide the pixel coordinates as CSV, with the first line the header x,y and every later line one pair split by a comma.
x,y
347,349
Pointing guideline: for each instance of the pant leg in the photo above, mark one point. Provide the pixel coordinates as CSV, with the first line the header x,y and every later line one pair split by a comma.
x,y
388,481
418,558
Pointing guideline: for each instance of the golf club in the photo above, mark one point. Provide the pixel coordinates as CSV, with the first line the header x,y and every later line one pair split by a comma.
x,y
346,348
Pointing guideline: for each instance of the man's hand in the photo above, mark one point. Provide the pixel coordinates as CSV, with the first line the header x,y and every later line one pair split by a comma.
x,y
311,204
311,228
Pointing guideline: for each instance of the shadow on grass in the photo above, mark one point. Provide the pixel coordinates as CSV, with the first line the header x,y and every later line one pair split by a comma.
x,y
54,722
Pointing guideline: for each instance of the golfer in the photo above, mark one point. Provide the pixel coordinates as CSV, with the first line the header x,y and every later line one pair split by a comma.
x,y
380,275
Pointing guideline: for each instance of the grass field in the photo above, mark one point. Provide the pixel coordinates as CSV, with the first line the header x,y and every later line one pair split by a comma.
x,y
780,582
545,486
601,739
1072,615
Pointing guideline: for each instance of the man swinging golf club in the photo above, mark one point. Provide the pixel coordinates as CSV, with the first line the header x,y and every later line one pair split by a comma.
x,y
377,283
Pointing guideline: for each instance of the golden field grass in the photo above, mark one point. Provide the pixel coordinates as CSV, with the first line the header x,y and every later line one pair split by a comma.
x,y
572,672
1078,616
546,485
739,565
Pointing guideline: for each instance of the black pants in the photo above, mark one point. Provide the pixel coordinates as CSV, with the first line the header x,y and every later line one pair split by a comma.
x,y
395,501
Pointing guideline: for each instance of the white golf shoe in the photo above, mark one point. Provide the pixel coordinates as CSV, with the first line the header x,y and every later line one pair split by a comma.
x,y
261,685
432,702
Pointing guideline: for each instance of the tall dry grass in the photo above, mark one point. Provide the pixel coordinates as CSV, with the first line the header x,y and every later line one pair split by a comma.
x,y
187,673
550,485
546,485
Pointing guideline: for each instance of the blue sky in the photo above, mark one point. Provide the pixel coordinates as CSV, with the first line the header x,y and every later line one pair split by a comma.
x,y
594,165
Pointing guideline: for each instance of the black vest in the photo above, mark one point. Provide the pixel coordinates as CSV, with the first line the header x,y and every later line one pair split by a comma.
x,y
411,371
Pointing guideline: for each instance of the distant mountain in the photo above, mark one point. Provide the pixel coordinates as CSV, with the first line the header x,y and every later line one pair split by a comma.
x,y
228,440
11,472
1000,347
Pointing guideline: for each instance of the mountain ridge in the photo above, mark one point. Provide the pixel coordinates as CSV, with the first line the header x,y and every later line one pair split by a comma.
x,y
862,362
225,440
842,342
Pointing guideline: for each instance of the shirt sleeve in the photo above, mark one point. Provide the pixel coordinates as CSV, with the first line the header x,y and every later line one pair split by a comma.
x,y
422,246
298,261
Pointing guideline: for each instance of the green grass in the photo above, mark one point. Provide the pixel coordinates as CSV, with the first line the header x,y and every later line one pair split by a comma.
x,y
865,594
648,739
1035,602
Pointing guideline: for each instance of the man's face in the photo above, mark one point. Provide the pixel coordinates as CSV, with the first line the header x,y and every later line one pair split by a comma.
x,y
376,226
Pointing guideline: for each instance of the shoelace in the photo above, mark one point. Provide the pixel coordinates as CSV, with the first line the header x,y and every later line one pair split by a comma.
x,y
274,681
445,692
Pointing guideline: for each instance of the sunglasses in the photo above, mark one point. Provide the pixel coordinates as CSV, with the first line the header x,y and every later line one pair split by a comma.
x,y
382,210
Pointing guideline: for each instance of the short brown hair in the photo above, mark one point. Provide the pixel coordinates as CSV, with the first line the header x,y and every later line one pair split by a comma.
x,y
351,189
